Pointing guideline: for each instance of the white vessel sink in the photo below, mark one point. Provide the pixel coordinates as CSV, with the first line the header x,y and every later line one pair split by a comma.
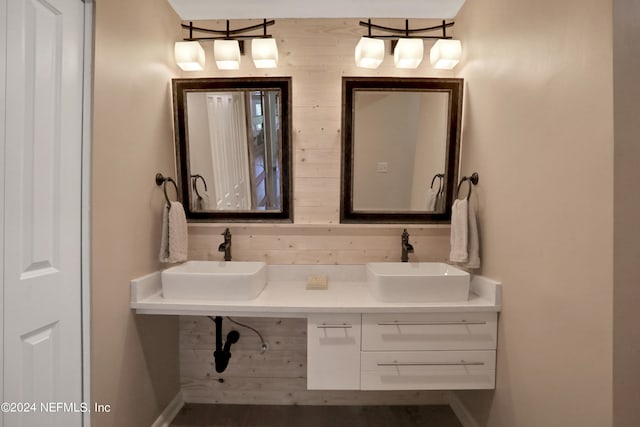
x,y
417,282
214,280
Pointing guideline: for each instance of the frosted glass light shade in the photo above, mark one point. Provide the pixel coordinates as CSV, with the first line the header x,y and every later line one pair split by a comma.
x,y
408,53
445,54
189,56
264,53
227,54
369,52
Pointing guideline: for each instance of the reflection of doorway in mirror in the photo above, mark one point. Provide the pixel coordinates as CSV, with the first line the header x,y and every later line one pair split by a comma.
x,y
264,156
234,144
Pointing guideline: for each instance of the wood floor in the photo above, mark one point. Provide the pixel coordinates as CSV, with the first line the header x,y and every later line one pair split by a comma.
x,y
315,416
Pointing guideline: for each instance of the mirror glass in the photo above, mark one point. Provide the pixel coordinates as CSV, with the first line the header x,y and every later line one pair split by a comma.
x,y
233,148
400,149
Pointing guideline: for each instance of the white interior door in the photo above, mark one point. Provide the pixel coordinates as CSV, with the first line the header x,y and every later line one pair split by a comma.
x,y
228,131
42,210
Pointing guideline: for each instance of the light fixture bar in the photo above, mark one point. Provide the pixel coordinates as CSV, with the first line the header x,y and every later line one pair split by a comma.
x,y
229,34
228,47
407,33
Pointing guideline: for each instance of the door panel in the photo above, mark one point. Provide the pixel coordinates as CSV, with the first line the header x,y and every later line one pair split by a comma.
x,y
42,211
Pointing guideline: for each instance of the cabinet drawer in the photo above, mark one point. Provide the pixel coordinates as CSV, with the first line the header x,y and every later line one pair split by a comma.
x,y
429,331
333,352
428,370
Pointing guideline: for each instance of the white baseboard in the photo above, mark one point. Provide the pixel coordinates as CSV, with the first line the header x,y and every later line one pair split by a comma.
x,y
461,411
169,413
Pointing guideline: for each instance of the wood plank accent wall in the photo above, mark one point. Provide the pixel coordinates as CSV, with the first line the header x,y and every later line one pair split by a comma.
x,y
306,244
316,53
275,377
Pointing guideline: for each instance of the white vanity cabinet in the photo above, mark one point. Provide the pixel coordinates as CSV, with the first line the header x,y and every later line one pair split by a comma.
x,y
428,351
333,352
356,342
400,351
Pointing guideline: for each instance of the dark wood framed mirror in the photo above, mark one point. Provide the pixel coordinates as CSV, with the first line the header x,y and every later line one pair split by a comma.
x,y
233,148
400,149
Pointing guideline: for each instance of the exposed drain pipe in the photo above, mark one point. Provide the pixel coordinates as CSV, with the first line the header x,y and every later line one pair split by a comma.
x,y
223,352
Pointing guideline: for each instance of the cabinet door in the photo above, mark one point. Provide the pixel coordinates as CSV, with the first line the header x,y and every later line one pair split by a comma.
x,y
429,331
333,352
428,370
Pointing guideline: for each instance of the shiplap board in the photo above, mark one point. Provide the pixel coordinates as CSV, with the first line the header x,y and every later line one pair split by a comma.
x,y
329,245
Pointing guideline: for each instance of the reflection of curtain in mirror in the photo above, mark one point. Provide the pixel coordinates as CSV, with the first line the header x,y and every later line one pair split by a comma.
x,y
229,149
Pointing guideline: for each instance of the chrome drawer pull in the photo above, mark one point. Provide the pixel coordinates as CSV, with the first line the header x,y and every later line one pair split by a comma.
x,y
323,326
436,323
461,363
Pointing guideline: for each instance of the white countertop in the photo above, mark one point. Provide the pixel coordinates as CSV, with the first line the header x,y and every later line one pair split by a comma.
x,y
285,295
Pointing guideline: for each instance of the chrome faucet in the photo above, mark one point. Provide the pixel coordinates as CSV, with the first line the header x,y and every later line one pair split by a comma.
x,y
226,245
407,248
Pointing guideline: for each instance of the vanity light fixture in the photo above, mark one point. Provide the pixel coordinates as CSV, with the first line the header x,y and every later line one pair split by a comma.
x,y
228,45
369,52
189,56
264,53
408,46
445,54
408,53
227,54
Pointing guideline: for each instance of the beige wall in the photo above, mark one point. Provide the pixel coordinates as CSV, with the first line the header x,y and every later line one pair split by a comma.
x,y
626,350
134,359
538,128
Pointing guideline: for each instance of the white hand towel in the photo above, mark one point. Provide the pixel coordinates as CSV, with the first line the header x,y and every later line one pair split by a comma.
x,y
203,203
440,201
432,198
174,240
473,244
459,231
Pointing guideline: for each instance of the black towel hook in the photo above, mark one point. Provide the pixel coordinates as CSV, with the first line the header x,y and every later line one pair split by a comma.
x,y
195,178
440,182
472,180
438,175
161,180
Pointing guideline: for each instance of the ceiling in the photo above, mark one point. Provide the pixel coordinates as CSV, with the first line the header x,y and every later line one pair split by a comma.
x,y
249,9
